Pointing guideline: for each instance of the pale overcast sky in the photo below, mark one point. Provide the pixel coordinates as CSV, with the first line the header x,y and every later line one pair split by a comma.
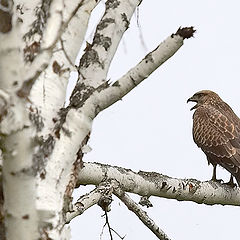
x,y
150,129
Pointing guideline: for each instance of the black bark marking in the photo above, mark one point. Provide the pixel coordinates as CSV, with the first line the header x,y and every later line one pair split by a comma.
x,y
80,94
112,4
90,57
159,180
164,184
116,84
105,42
56,67
60,121
183,186
78,98
133,81
149,58
186,32
3,108
40,157
125,19
20,9
104,23
103,86
42,14
144,201
66,132
31,51
36,118
169,188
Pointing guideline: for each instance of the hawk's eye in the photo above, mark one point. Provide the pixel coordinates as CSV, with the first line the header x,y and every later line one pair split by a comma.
x,y
200,95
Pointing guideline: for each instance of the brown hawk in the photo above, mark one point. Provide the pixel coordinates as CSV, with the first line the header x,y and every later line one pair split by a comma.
x,y
216,130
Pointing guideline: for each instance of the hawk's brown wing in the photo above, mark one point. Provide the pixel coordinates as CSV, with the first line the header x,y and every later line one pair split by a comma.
x,y
217,133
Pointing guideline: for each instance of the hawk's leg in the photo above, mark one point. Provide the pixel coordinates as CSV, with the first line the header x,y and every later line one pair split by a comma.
x,y
231,183
214,176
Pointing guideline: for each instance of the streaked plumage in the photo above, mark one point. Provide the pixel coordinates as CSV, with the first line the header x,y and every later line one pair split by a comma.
x,y
216,130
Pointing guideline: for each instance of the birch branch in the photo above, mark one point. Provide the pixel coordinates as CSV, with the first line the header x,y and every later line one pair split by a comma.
x,y
102,195
49,92
142,215
96,60
156,184
143,69
88,200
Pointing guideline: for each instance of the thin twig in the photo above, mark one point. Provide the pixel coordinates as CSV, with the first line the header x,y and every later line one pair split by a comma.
x,y
110,229
142,215
64,25
108,224
66,55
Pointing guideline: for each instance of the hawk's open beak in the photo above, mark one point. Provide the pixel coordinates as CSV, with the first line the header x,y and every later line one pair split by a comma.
x,y
192,99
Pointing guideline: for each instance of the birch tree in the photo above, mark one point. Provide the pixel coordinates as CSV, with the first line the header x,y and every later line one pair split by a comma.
x,y
43,141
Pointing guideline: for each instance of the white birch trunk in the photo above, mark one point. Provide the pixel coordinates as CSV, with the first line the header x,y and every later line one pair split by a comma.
x,y
41,140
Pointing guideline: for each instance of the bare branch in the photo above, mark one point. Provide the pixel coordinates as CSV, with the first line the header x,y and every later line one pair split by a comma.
x,y
96,60
50,39
65,53
156,184
142,215
104,190
143,69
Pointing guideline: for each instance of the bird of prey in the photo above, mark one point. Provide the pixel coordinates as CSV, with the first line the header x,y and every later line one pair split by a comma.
x,y
216,130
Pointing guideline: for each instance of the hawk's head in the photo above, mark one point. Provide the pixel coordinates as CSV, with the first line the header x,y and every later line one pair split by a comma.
x,y
202,97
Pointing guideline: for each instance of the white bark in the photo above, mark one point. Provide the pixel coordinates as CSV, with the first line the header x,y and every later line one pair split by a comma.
x,y
23,220
86,201
49,92
83,203
40,140
140,72
95,62
19,187
156,184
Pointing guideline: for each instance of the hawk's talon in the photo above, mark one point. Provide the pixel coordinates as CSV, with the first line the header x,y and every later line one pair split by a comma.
x,y
231,183
217,180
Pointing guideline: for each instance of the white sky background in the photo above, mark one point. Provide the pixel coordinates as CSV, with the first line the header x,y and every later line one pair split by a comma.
x,y
150,129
